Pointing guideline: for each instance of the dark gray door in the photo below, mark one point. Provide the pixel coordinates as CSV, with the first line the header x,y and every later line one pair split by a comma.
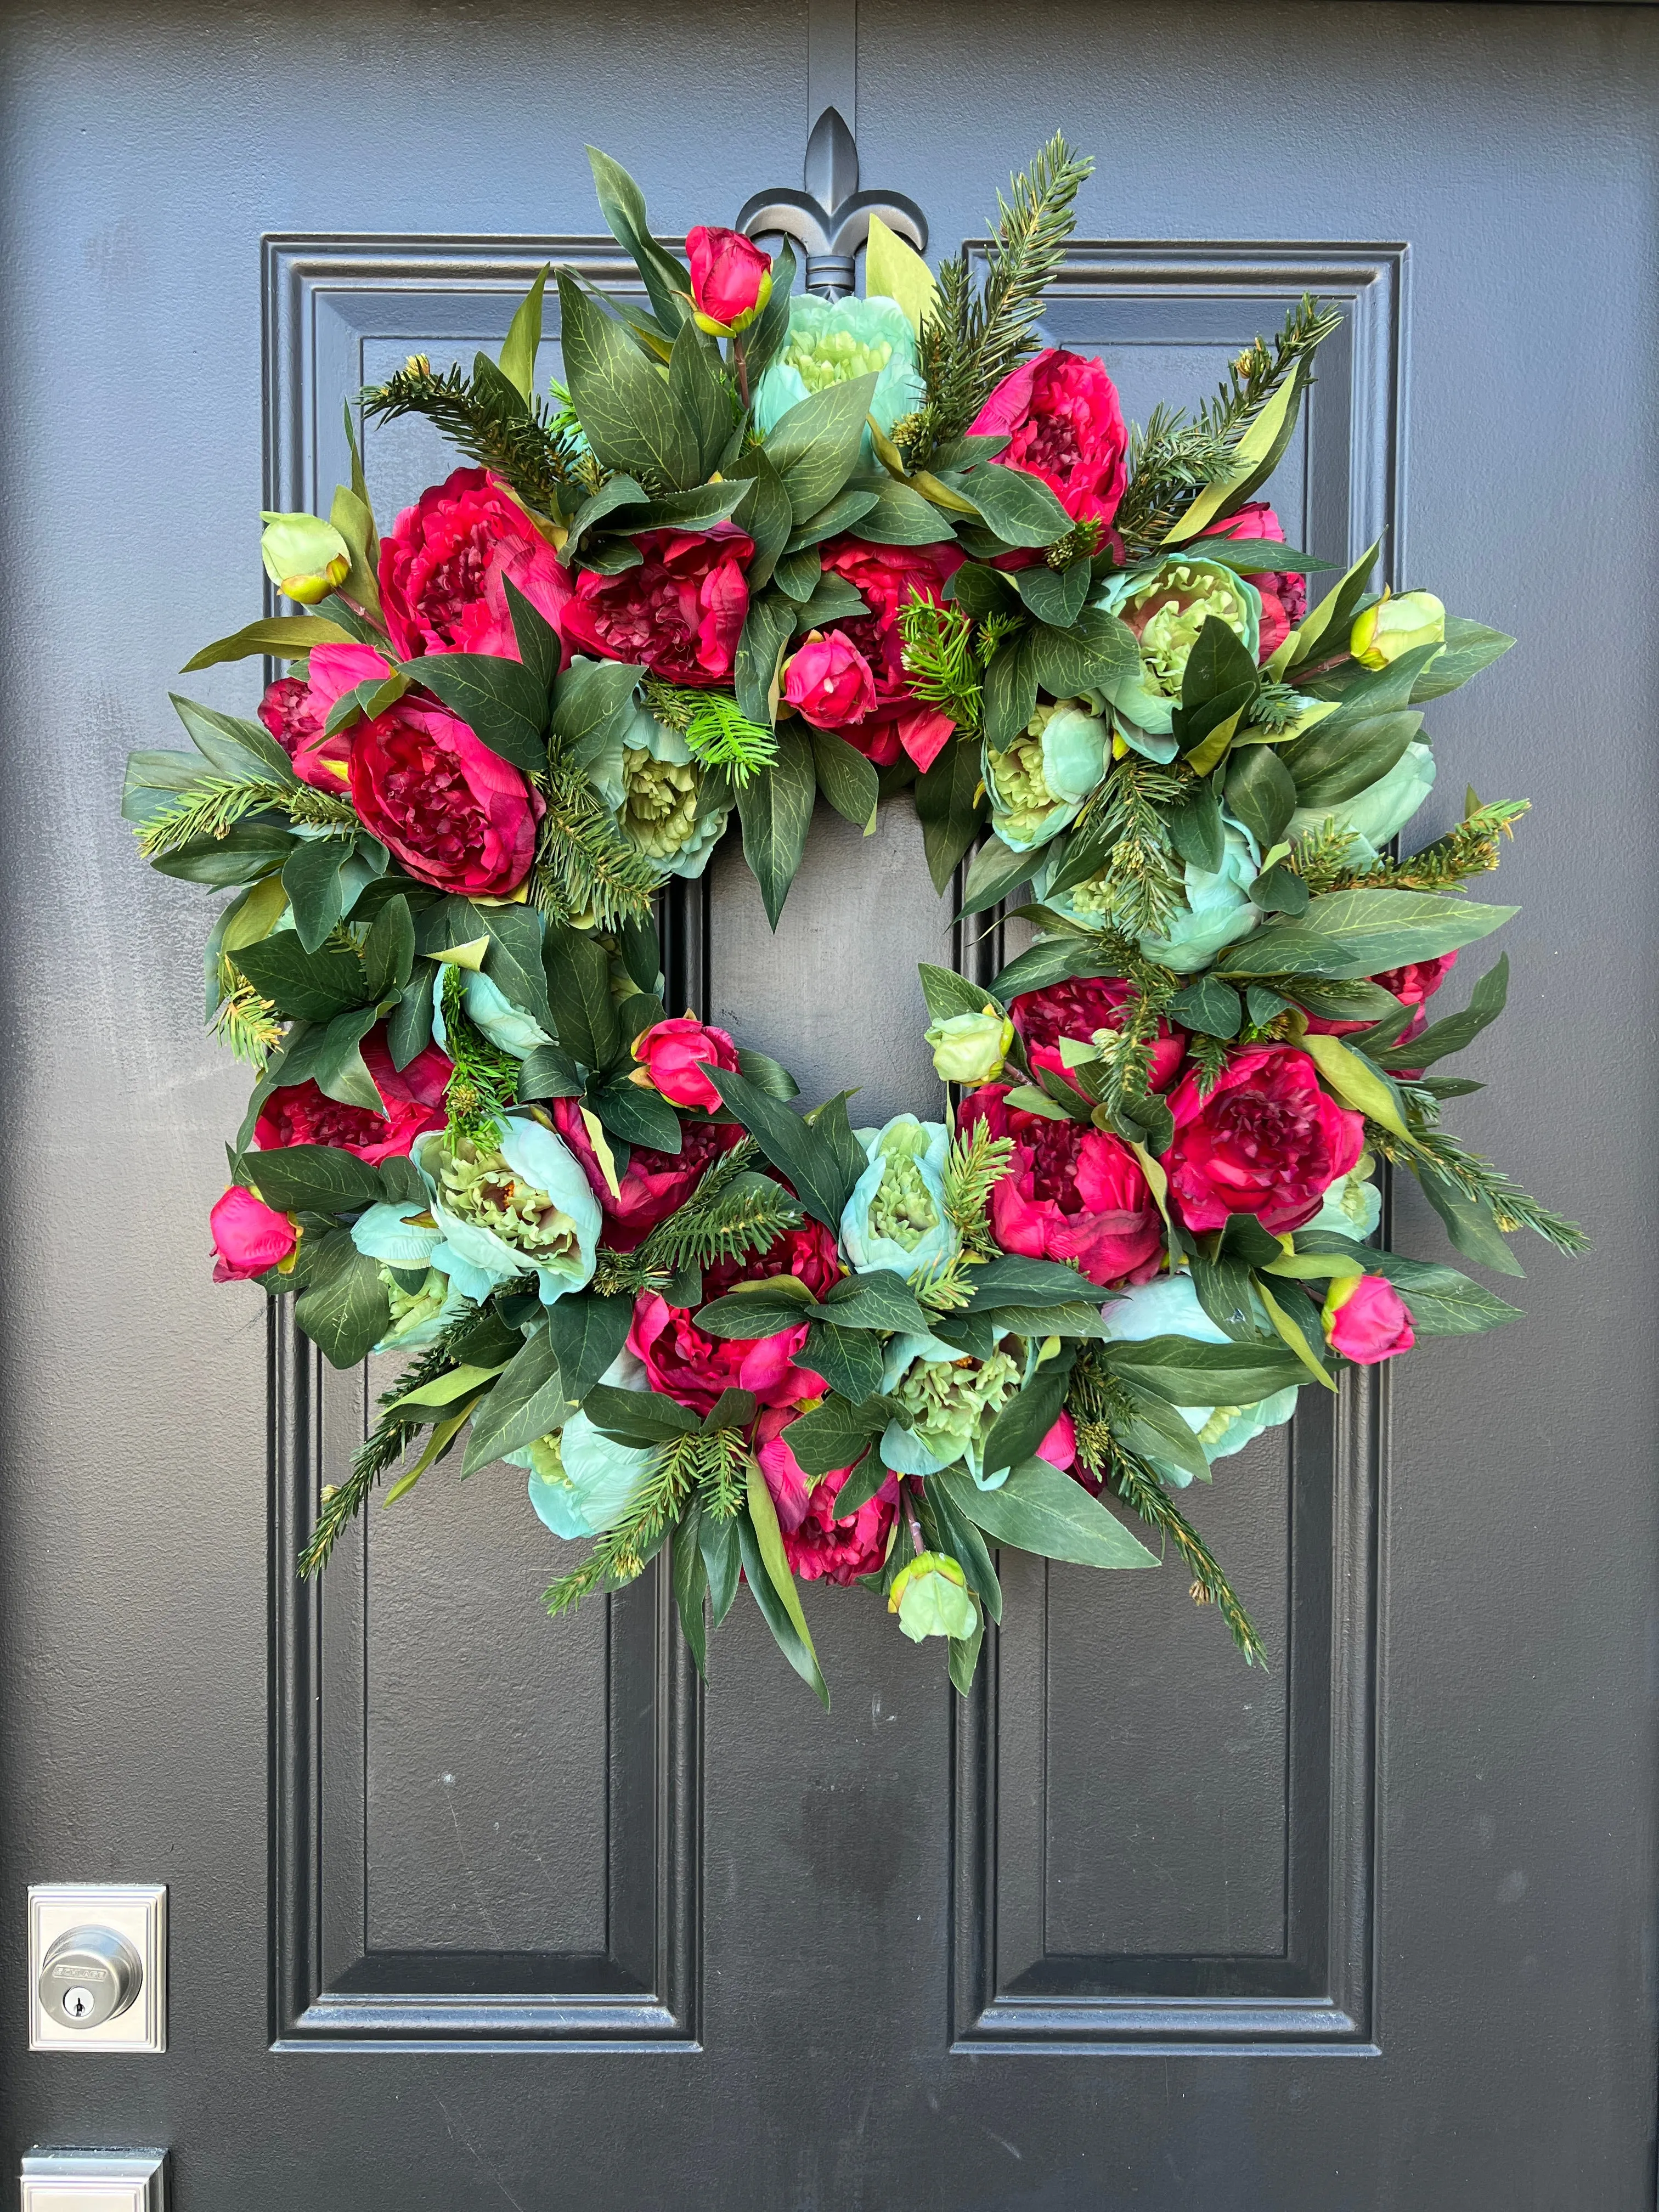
x,y
471,1911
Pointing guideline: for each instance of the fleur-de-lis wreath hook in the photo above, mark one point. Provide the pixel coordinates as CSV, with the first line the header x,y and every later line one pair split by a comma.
x,y
831,217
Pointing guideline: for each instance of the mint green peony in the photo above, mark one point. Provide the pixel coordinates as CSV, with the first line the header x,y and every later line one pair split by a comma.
x,y
582,1482
1166,607
1037,785
522,1208
829,343
951,1400
896,1216
663,808
491,1012
1377,813
1170,1307
422,1300
1352,1208
1217,911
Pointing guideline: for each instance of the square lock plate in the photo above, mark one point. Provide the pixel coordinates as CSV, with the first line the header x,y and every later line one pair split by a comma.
x,y
95,2181
135,1910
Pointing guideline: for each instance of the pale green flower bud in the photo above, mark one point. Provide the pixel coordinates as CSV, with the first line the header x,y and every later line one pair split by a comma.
x,y
1395,626
971,1048
305,559
930,1597
659,803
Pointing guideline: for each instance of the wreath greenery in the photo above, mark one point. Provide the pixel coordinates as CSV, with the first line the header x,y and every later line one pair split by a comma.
x,y
760,546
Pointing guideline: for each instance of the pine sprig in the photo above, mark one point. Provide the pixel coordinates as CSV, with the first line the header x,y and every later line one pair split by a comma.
x,y
1477,1178
974,1167
970,340
677,1470
1473,848
485,419
243,1020
733,1214
941,661
585,869
484,1081
1140,877
717,731
213,807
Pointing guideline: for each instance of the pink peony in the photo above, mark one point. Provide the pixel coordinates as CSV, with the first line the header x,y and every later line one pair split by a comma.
x,y
672,1055
296,711
818,1544
413,1099
681,612
1367,1321
731,278
1063,422
887,576
249,1236
692,1367
456,814
442,564
1077,1010
653,1184
1284,596
1265,1140
1070,1192
828,682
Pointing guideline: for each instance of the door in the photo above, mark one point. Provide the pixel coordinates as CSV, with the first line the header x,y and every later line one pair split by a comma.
x,y
468,1908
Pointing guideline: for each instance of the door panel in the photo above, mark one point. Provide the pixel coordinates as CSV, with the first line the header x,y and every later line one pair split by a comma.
x,y
1030,1949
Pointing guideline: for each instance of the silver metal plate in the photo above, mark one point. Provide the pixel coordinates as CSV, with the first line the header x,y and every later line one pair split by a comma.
x,y
137,1911
95,2181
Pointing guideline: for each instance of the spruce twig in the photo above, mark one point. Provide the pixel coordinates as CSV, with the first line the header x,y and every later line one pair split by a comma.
x,y
974,1165
243,1020
717,731
677,1470
1511,1206
484,1081
941,661
487,421
585,868
213,807
1473,847
733,1214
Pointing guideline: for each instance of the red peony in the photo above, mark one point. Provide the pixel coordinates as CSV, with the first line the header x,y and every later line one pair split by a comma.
x,y
413,1098
249,1236
828,682
672,1055
818,1544
456,814
1266,1141
693,1368
295,711
442,564
1070,1193
681,612
1077,1010
1412,984
653,1184
731,278
1063,422
887,575
1284,596
1367,1321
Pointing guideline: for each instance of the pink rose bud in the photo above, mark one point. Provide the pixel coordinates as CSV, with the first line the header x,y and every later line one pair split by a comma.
x,y
672,1055
731,279
249,1236
828,682
1367,1320
1058,1447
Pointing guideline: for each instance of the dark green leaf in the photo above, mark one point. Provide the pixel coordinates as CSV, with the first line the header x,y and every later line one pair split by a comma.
x,y
845,777
1159,1432
591,702
836,1434
537,640
529,1397
816,445
877,1299
1187,1373
764,339
1469,648
1195,827
242,855
1219,662
236,748
498,699
667,281
388,949
1014,1280
767,630
767,1075
1223,1292
1055,596
344,1308
1098,653
959,1537
314,1179
311,877
775,810
1260,792
1019,507
766,516
718,1542
1470,1222
1040,1510
690,1579
798,575
1209,1006
980,591
637,1116
844,512
849,1359
548,1071
1333,763
310,987
996,870
797,1151
948,807
623,401
1011,690
579,996
1351,934
702,393
784,1634
1029,1415
1486,1002
586,1333
1279,890
901,516
947,993
639,1418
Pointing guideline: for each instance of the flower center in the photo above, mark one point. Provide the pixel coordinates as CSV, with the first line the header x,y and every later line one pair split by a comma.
x,y
479,1187
304,1115
902,1208
827,357
425,792
659,803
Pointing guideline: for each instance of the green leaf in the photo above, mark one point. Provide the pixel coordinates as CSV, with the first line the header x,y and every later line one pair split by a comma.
x,y
283,637
845,779
894,270
1029,1415
548,1071
1443,1302
623,401
529,1398
702,394
1019,507
876,1299
641,1417
949,808
388,954
798,575
1219,662
1469,648
775,809
590,701
1256,456
1351,934
1188,1373
1098,653
1040,1510
1223,1292
1158,1432
767,630
901,516
1356,1081
1011,689
1486,1002
1252,557
965,1658
782,1616
1322,626
816,445
767,1075
1014,1280
303,985
524,336
343,1310
579,996
314,1179
311,877
667,281
638,1116
1195,827
947,993
995,870
849,1359
237,749
1261,795
618,495
1209,1006
959,1537
499,700
722,1561
1055,596
1338,761
1056,960
981,590
766,514
538,641
793,1146
844,512
764,339
1470,1222
691,1578
836,1433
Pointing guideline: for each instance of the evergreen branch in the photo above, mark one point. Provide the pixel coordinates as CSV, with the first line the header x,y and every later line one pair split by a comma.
x,y
733,1214
1210,1055
1140,878
970,340
717,731
1478,1179
486,420
974,1167
383,1447
1253,379
585,869
940,663
723,1476
676,1469
1473,847
245,1021
213,807
484,1081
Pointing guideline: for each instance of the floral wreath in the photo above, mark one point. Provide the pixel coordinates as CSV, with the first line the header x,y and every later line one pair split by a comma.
x,y
761,545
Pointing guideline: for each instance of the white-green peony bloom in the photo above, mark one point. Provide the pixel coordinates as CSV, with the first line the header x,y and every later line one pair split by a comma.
x,y
896,1216
582,1481
1037,785
523,1207
830,343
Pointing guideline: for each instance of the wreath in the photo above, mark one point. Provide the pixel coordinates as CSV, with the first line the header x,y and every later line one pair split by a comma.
x,y
757,546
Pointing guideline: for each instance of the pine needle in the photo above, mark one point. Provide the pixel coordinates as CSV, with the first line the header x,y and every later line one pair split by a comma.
x,y
733,1214
974,1167
485,420
585,869
941,661
213,807
1511,1207
677,1469
484,1081
246,1021
717,731
1473,848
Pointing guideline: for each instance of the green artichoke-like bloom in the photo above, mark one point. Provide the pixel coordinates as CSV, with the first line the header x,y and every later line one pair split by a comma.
x,y
1038,784
521,1207
1167,607
828,343
896,1215
415,1308
951,1401
475,1184
657,791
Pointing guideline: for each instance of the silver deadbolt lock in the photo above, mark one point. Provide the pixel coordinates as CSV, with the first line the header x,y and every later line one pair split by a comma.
x,y
89,1976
